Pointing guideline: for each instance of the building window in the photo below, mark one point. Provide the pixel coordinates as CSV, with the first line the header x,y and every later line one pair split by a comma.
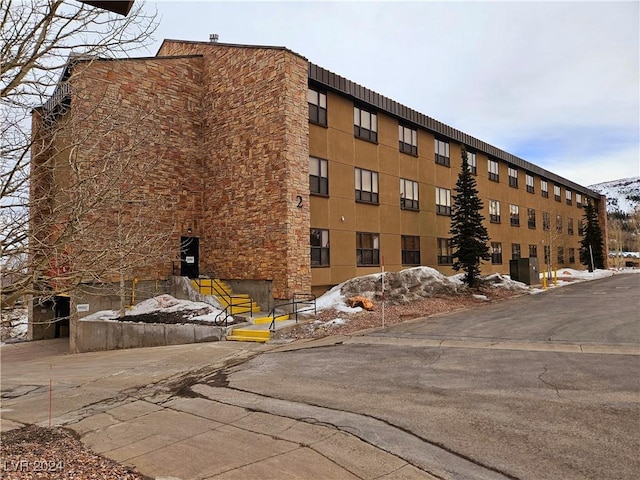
x,y
409,195
530,187
514,215
546,221
559,223
494,211
408,140
533,251
513,177
544,188
572,255
317,107
445,253
578,200
494,172
365,125
570,226
515,251
567,195
547,254
473,162
560,255
556,193
580,228
410,250
319,247
318,176
443,201
366,186
531,218
442,153
367,248
496,253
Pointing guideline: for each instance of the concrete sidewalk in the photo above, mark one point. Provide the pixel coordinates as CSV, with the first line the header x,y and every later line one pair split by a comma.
x,y
137,407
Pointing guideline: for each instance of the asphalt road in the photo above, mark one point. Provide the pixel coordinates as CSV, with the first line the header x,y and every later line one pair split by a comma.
x,y
538,387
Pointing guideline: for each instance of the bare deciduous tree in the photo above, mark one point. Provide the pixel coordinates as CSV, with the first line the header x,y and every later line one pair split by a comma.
x,y
62,173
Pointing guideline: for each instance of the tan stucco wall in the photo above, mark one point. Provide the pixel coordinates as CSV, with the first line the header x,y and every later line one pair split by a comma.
x,y
337,144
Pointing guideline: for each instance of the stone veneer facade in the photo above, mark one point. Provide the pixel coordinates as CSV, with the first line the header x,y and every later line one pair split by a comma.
x,y
219,134
256,169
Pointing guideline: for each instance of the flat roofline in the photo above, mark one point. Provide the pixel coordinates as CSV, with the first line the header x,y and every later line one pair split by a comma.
x,y
231,45
331,81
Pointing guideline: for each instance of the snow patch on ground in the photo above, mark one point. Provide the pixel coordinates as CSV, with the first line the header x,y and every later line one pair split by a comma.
x,y
399,287
162,303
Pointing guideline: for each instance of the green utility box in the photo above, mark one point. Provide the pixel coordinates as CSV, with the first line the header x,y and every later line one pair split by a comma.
x,y
525,270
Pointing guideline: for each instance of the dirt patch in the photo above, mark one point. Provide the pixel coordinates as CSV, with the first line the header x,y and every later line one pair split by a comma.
x,y
333,322
174,318
55,453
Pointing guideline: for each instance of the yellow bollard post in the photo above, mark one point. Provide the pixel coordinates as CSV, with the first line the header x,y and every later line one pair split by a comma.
x,y
555,277
544,280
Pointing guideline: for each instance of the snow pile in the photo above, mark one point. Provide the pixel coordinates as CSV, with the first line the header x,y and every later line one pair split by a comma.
x,y
497,280
401,287
583,274
163,304
14,324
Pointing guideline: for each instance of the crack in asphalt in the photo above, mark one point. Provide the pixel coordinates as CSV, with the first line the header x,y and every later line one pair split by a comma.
x,y
545,369
423,454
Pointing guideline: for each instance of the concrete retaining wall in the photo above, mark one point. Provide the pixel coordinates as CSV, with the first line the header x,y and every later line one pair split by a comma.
x,y
98,335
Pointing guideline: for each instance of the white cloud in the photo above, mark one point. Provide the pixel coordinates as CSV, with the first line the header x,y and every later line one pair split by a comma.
x,y
506,72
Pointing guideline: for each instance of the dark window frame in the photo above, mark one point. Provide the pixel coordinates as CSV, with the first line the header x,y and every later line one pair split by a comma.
x,y
473,167
513,179
531,218
494,217
530,186
412,204
493,176
410,147
544,188
319,184
514,217
533,251
317,113
516,251
320,254
410,249
363,133
365,196
496,256
442,152
367,256
444,245
443,209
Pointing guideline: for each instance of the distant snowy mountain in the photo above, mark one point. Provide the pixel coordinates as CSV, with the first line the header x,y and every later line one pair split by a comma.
x,y
623,196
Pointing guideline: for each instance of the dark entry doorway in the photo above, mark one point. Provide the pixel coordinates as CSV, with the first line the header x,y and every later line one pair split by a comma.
x,y
62,311
189,257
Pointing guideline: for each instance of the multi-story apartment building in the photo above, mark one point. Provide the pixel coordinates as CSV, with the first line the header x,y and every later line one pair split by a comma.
x,y
281,175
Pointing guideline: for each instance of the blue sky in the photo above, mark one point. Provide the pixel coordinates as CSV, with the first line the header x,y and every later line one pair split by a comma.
x,y
555,83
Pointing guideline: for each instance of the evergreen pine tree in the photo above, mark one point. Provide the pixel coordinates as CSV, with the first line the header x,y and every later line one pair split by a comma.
x,y
592,243
469,236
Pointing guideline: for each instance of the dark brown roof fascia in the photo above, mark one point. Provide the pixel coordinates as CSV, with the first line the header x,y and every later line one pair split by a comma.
x,y
361,94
